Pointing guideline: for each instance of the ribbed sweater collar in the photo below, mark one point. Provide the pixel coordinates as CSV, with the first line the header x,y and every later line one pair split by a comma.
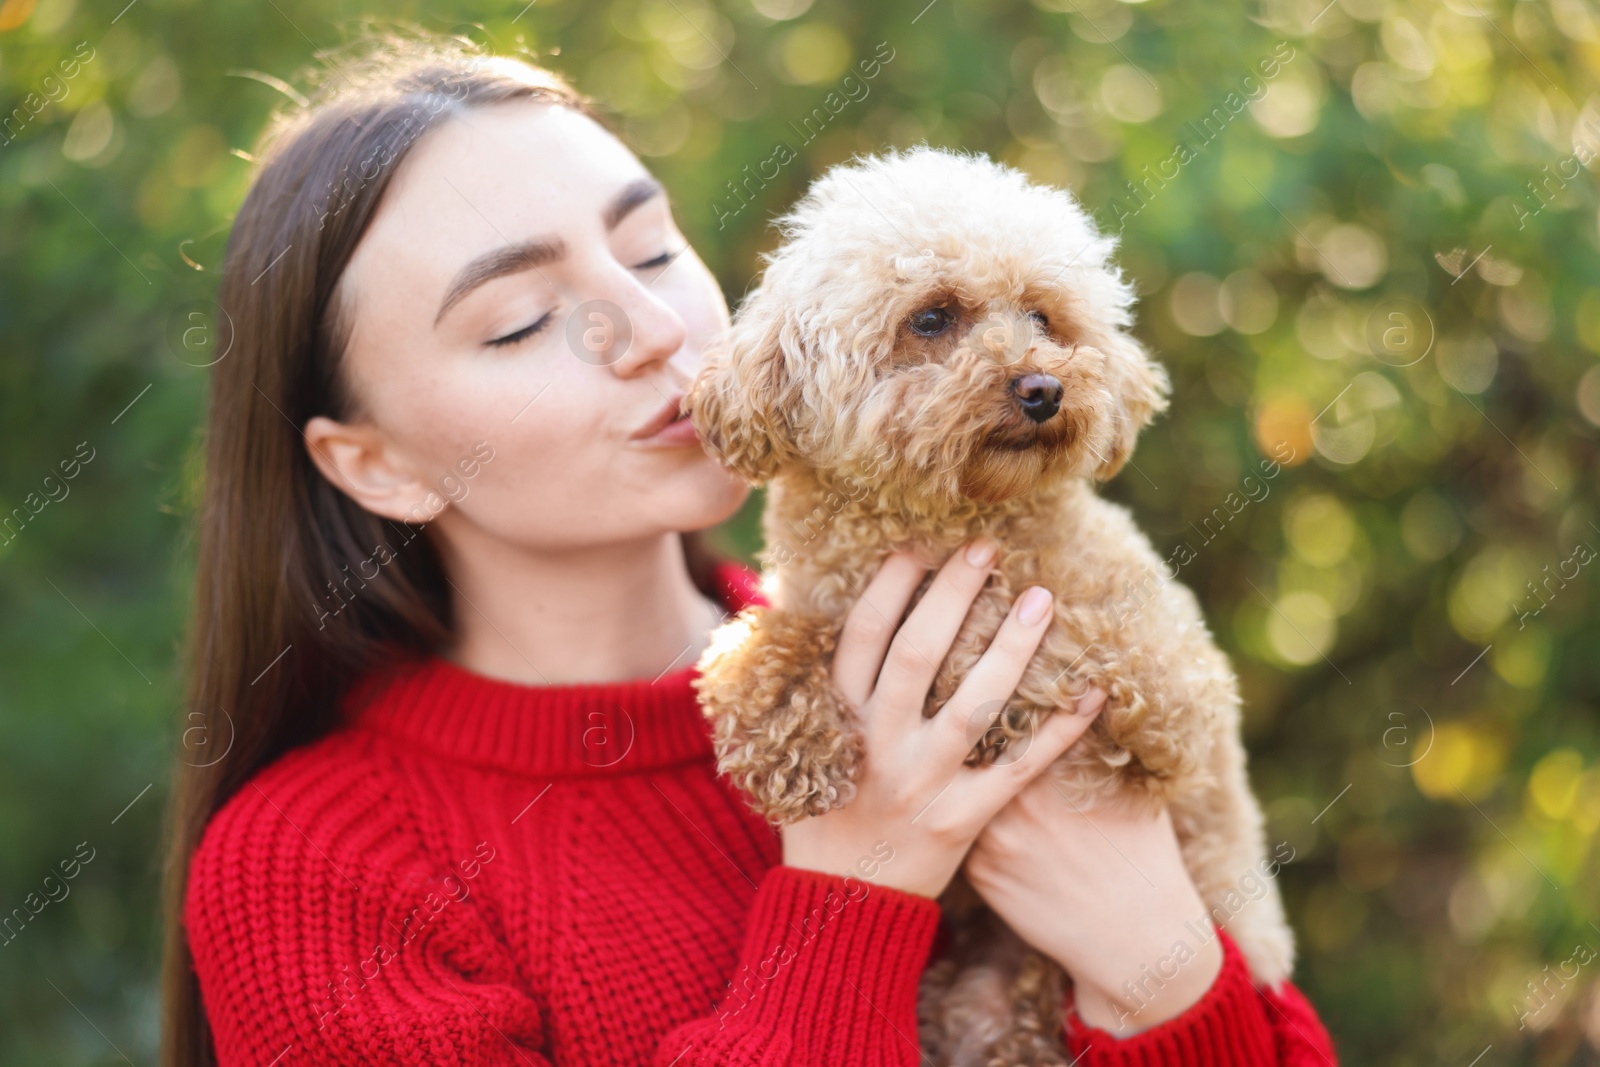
x,y
587,730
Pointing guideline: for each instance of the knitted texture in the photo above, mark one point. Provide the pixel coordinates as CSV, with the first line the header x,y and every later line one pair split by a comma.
x,y
1233,1023
475,872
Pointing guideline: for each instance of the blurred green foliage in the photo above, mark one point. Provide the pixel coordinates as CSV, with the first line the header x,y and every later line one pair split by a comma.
x,y
1366,239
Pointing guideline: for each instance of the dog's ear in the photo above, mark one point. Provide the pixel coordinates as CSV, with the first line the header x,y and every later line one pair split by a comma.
x,y
1139,388
739,402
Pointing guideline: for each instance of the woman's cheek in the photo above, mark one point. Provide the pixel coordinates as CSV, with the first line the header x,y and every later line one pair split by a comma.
x,y
698,301
540,471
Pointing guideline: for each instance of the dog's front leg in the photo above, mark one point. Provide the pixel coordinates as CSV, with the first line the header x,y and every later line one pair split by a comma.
x,y
783,733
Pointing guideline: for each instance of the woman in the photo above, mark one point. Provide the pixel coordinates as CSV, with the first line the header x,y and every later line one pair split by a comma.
x,y
451,800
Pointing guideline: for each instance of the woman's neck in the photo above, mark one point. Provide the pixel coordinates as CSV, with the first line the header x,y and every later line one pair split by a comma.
x,y
604,613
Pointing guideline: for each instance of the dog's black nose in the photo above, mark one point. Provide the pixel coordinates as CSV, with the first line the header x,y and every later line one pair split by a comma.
x,y
1039,395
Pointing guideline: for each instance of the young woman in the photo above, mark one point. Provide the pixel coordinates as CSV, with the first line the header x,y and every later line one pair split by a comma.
x,y
449,798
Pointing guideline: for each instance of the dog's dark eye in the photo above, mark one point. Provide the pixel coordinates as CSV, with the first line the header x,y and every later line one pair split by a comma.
x,y
1041,318
930,322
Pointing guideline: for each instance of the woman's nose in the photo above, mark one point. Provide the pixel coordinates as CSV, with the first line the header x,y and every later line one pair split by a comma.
x,y
628,335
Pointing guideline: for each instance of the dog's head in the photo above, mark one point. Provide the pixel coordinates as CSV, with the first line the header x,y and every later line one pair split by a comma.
x,y
937,322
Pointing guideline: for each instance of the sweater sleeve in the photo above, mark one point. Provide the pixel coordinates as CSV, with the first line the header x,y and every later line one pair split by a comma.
x,y
827,975
1235,1022
321,934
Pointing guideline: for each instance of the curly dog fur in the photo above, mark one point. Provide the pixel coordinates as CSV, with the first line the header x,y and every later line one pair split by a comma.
x,y
885,380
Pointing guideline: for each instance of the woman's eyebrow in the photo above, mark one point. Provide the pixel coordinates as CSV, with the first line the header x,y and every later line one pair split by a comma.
x,y
530,255
511,259
633,194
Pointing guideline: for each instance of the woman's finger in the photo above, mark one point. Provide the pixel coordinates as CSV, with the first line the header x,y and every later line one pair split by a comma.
x,y
870,624
922,641
990,788
993,678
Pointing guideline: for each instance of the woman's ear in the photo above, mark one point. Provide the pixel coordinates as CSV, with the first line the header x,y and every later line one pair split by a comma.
x,y
357,461
740,400
1139,388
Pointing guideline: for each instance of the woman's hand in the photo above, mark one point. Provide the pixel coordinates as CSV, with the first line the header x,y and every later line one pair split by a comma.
x,y
1105,894
917,809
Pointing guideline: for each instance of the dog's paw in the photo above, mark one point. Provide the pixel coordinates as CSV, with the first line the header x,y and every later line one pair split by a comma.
x,y
783,734
824,779
793,765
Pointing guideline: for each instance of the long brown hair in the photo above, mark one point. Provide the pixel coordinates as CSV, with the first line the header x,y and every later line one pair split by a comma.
x,y
278,631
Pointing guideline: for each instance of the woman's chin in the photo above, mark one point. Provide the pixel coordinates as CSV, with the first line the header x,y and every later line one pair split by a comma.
x,y
710,494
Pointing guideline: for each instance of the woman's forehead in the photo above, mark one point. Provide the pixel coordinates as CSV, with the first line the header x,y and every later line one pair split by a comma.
x,y
487,178
514,162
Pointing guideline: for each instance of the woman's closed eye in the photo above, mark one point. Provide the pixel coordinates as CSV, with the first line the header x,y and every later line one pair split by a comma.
x,y
660,261
521,335
529,330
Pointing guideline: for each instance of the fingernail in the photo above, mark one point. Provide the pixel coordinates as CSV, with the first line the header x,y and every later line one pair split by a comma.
x,y
1091,702
1034,606
981,552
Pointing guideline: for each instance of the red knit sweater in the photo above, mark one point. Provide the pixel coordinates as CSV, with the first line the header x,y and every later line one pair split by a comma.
x,y
476,872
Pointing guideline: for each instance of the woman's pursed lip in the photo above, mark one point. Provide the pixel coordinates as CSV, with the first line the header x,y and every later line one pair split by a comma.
x,y
676,434
669,418
664,417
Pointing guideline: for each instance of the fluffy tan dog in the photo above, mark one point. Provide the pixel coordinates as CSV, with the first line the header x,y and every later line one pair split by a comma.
x,y
939,350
